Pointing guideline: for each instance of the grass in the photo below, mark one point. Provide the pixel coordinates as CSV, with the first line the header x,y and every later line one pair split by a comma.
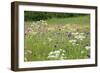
x,y
75,20
57,39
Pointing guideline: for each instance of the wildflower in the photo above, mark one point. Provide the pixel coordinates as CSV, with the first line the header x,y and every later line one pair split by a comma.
x,y
72,41
69,34
82,52
51,56
75,33
42,22
87,47
25,59
49,39
81,33
29,51
77,44
51,53
61,58
62,54
57,54
80,37
60,49
63,51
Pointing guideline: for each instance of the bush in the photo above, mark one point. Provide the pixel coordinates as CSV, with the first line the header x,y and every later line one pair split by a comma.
x,y
36,16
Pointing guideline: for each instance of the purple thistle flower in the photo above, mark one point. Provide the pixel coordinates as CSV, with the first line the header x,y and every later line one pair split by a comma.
x,y
69,34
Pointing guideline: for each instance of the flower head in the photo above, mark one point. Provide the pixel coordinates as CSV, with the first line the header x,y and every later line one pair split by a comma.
x,y
87,47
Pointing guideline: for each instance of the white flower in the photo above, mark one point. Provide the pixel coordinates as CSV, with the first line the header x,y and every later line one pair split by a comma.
x,y
63,51
62,54
75,33
87,47
25,59
80,37
60,49
61,58
82,52
29,51
51,53
58,52
72,41
81,33
49,39
51,56
77,44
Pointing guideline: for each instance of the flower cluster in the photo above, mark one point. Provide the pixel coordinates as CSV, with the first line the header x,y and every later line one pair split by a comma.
x,y
87,47
35,27
79,36
57,54
27,52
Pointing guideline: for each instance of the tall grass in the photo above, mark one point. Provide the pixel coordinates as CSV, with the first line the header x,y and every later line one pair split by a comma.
x,y
57,39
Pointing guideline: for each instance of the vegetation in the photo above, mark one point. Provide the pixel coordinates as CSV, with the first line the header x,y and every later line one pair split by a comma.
x,y
36,16
56,36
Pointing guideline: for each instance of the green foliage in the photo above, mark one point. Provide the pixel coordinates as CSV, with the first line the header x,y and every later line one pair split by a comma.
x,y
36,16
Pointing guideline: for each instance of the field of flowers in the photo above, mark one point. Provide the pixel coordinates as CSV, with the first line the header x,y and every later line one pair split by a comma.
x,y
57,40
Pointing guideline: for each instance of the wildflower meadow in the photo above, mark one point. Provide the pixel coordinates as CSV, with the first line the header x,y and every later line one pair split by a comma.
x,y
56,36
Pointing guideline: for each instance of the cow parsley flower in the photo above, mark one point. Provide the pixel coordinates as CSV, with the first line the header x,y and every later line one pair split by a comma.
x,y
57,54
49,39
87,47
72,41
79,37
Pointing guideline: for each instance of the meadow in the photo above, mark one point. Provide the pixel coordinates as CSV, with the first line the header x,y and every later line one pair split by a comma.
x,y
57,39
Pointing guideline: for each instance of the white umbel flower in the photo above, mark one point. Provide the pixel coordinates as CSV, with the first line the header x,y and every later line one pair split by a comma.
x,y
87,47
72,41
49,39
